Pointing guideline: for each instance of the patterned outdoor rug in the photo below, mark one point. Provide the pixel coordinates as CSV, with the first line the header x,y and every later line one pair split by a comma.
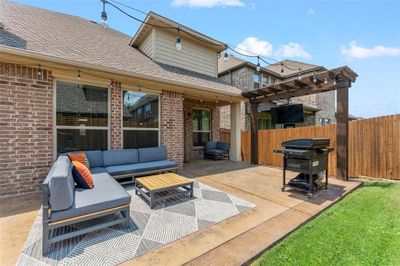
x,y
147,230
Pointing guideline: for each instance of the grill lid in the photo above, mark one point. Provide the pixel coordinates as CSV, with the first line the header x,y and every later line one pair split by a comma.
x,y
307,144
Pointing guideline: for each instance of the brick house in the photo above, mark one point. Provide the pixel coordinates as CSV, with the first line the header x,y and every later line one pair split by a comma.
x,y
318,108
67,83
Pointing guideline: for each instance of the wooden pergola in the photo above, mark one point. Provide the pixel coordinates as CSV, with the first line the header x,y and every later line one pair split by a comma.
x,y
338,79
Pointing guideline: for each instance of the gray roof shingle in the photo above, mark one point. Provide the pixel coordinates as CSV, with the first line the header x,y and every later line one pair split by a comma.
x,y
77,39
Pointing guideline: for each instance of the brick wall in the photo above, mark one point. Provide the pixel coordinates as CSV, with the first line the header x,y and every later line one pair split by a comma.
x,y
172,125
26,136
116,116
193,153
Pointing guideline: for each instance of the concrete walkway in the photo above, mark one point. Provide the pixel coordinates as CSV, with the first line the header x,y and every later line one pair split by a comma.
x,y
232,242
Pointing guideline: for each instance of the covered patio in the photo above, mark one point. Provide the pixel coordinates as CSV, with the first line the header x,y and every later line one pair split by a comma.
x,y
276,214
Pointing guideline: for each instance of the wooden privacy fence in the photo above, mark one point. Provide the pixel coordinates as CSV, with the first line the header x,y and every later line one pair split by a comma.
x,y
374,145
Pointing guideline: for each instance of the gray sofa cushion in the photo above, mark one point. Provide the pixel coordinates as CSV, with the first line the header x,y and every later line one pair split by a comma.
x,y
106,194
61,184
152,154
139,167
95,158
211,145
98,170
120,157
215,151
222,146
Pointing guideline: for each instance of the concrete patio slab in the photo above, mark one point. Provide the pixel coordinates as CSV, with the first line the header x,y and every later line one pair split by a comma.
x,y
276,215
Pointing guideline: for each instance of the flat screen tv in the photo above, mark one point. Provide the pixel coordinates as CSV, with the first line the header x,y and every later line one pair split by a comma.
x,y
287,114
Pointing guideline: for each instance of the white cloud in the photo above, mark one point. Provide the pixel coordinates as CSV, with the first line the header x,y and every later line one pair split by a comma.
x,y
207,3
252,45
354,51
311,12
291,50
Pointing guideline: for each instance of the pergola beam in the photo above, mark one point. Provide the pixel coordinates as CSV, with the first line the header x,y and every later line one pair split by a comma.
x,y
339,79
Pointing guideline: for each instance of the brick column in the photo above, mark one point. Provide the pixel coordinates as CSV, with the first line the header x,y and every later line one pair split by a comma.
x,y
171,125
26,128
116,116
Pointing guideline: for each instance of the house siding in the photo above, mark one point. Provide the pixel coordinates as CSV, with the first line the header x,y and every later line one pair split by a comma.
x,y
147,47
26,128
192,56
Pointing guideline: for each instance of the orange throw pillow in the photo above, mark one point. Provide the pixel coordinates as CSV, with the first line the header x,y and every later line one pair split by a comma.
x,y
82,176
80,157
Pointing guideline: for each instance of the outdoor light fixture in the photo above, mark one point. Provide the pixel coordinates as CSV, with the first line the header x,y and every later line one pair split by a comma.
x,y
226,57
104,14
178,43
282,70
39,72
299,77
258,64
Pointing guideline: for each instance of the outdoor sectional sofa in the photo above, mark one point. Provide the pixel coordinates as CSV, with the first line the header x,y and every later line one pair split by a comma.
x,y
65,204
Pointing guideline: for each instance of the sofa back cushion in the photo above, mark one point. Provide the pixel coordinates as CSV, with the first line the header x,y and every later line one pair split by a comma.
x,y
211,145
61,184
152,154
222,146
95,158
82,176
120,157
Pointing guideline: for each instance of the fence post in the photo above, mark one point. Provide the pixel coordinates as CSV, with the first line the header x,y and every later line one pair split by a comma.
x,y
254,133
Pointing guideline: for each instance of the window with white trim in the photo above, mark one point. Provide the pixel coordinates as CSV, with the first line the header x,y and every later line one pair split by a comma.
x,y
256,80
81,117
265,79
201,127
140,119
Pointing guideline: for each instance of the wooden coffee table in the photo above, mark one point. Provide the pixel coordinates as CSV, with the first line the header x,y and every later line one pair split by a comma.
x,y
173,185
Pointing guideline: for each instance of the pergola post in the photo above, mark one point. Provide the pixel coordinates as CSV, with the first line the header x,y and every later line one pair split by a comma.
x,y
342,129
254,133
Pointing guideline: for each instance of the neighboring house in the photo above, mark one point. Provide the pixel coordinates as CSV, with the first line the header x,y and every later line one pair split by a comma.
x,y
68,83
319,109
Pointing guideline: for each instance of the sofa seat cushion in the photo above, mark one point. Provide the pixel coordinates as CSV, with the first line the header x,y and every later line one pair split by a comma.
x,y
98,170
215,151
106,194
139,167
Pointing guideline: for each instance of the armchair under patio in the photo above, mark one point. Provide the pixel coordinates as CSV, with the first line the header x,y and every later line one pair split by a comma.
x,y
216,150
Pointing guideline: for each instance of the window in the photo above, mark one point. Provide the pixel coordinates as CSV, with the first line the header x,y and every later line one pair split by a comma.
x,y
201,127
325,121
256,80
265,79
140,120
81,117
273,80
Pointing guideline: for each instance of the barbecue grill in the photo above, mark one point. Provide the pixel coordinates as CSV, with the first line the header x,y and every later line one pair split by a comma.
x,y
309,157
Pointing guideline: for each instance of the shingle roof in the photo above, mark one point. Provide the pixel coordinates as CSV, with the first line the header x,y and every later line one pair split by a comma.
x,y
293,67
80,40
235,63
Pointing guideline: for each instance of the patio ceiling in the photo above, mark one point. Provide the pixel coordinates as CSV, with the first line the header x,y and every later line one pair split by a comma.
x,y
327,80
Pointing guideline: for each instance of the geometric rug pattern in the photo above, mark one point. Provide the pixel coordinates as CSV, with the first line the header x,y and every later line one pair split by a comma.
x,y
148,229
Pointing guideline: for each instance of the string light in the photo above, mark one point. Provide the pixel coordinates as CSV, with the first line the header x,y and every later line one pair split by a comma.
x,y
326,81
230,99
79,75
201,99
299,77
226,57
178,43
104,14
39,72
258,68
216,99
314,78
228,46
334,81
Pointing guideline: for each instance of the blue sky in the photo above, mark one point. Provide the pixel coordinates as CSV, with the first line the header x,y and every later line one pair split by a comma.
x,y
364,35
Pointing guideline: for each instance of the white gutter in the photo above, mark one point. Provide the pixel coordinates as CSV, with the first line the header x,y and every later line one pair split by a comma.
x,y
35,55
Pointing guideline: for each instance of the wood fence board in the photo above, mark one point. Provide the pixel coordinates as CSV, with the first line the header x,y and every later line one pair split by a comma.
x,y
374,145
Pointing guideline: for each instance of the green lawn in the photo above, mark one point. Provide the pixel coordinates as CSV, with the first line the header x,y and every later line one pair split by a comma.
x,y
362,229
